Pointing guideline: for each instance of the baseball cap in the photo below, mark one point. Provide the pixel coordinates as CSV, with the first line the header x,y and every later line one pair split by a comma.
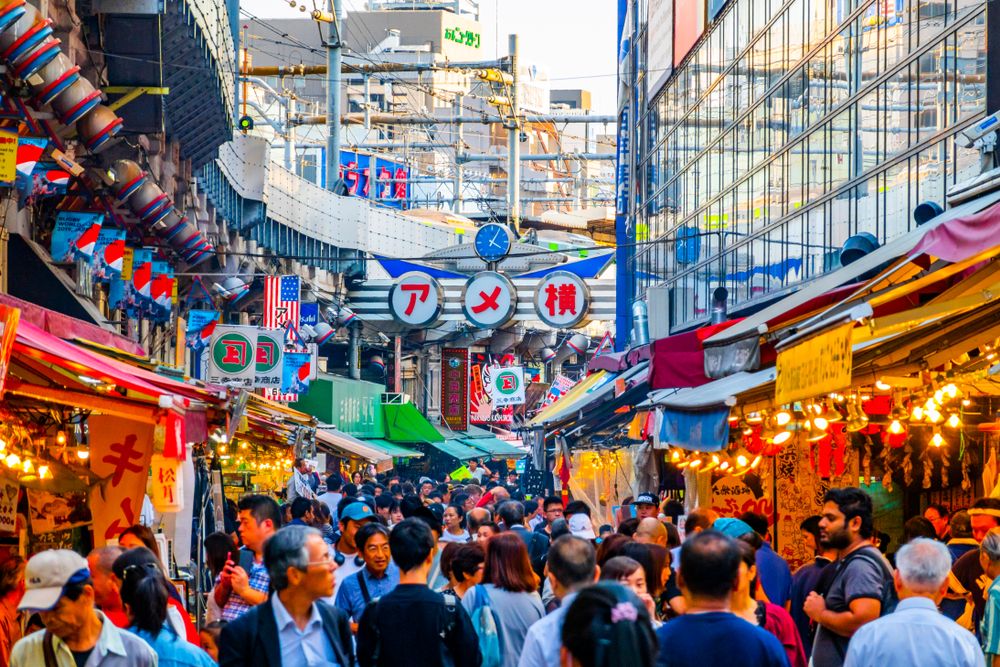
x,y
47,573
732,527
357,512
580,526
645,498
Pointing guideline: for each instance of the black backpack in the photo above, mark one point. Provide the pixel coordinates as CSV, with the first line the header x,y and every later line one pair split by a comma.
x,y
451,622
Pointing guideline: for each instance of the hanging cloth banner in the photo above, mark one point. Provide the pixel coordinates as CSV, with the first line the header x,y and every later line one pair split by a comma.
x,y
816,366
120,452
295,376
703,431
200,327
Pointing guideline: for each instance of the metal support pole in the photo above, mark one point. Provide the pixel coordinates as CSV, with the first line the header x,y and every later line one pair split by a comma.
x,y
459,172
334,51
514,139
290,162
397,365
368,100
354,353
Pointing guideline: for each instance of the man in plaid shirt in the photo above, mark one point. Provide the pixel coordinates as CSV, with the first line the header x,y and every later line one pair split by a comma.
x,y
243,585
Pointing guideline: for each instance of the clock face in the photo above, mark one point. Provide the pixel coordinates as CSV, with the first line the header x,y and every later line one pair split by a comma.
x,y
493,242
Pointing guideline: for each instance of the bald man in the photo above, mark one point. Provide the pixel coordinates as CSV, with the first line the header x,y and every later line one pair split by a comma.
x,y
651,531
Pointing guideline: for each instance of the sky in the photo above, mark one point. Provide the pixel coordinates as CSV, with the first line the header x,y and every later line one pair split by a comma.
x,y
573,40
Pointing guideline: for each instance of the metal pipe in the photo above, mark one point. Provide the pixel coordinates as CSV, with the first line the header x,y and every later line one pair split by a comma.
x,y
357,68
390,119
354,351
541,157
514,143
457,185
334,53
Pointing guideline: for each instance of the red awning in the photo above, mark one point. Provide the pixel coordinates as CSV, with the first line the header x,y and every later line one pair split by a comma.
x,y
961,238
64,326
679,360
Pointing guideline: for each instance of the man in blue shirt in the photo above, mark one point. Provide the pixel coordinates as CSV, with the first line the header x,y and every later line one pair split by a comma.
x,y
709,634
378,576
302,513
916,634
571,565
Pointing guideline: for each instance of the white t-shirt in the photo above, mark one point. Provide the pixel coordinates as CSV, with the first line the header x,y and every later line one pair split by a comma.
x,y
331,499
478,474
462,537
343,572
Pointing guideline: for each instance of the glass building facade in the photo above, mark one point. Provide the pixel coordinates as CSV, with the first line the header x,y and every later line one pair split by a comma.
x,y
793,125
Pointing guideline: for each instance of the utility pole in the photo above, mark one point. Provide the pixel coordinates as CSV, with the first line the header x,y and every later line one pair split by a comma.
x,y
458,184
514,139
334,52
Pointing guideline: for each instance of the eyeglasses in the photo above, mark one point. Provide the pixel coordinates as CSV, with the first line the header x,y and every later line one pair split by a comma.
x,y
325,560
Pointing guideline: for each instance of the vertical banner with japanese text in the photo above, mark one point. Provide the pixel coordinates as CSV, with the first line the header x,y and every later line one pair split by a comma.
x,y
120,451
455,387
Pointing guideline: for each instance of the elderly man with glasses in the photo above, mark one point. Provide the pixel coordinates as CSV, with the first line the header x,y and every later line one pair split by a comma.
x,y
294,627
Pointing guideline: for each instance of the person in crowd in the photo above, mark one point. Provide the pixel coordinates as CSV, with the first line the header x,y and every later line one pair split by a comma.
x,y
605,626
298,483
58,586
559,528
139,536
11,592
510,589
454,531
413,625
219,548
606,530
352,517
916,634
244,584
571,565
462,563
493,498
967,580
333,493
774,574
610,547
939,517
807,578
552,510
579,525
651,531
478,471
144,594
357,478
323,521
646,505
709,634
769,616
475,492
485,532
628,527
476,517
630,572
106,594
177,614
532,514
575,507
383,507
210,634
861,589
294,627
960,529
511,513
918,526
989,558
378,576
302,512
700,518
395,513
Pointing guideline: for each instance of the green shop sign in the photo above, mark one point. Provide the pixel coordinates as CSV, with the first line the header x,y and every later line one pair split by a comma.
x,y
460,36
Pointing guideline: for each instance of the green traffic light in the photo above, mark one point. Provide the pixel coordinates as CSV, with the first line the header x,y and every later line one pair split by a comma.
x,y
246,123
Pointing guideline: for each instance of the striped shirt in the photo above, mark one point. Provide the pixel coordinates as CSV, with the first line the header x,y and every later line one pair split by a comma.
x,y
236,606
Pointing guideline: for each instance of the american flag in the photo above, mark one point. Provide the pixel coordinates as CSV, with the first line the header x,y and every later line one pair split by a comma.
x,y
281,301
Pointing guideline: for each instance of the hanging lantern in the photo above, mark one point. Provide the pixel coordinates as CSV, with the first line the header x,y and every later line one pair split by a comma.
x,y
377,363
547,354
168,486
579,343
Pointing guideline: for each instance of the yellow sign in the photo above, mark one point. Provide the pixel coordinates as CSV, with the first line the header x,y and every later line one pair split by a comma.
x,y
816,366
8,156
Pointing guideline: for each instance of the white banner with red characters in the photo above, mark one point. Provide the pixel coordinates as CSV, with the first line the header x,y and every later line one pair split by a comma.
x,y
120,451
168,484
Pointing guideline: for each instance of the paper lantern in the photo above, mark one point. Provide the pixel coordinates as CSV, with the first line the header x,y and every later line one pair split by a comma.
x,y
168,484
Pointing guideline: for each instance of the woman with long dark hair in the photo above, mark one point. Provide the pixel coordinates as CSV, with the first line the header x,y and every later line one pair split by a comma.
x,y
510,591
606,626
179,619
144,594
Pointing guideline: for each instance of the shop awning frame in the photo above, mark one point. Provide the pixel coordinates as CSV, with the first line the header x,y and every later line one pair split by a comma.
x,y
404,423
338,443
392,449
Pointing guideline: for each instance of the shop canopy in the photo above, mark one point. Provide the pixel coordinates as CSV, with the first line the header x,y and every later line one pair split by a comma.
x,y
329,439
718,393
452,445
392,449
404,423
566,403
484,440
587,396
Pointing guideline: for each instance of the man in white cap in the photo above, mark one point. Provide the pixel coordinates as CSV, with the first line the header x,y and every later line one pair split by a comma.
x,y
59,588
581,526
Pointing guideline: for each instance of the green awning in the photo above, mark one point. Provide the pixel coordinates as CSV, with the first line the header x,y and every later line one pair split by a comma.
x,y
455,447
404,423
484,440
392,449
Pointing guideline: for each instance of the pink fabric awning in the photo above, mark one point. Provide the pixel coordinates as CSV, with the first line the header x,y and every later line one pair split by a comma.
x,y
64,326
962,238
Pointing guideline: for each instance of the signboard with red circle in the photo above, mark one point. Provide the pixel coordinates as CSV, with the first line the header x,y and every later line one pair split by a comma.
x,y
489,300
562,299
416,299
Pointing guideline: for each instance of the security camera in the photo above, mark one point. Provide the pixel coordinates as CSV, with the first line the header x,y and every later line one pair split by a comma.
x,y
383,338
981,134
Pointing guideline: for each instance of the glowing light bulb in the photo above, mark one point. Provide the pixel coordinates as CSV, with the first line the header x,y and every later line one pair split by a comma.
x,y
937,440
756,462
676,456
918,413
821,423
695,463
782,417
83,454
3,445
951,390
882,386
741,461
27,466
782,437
60,437
724,465
43,472
12,460
939,396
954,421
895,427
933,416
222,449
966,402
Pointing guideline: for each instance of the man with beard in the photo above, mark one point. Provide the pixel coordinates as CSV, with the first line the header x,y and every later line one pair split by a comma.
x,y
967,579
861,586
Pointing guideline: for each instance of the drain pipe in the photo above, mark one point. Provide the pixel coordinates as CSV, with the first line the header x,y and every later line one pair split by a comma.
x,y
354,353
720,296
640,324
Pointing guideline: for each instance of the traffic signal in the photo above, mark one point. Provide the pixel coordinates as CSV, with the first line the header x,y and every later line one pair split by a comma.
x,y
246,123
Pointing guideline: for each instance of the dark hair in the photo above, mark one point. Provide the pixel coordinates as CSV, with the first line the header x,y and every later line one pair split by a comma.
x,y
384,502
595,638
643,553
72,592
459,497
298,462
262,508
748,555
144,535
508,566
853,502
142,556
218,547
301,507
572,561
511,512
940,509
710,563
334,482
918,526
610,547
551,500
530,507
466,559
11,574
673,535
407,488
144,590
619,567
321,511
628,527
410,504
396,489
410,543
698,519
367,531
576,507
367,490
960,525
811,525
756,521
489,524
986,504
350,490
214,629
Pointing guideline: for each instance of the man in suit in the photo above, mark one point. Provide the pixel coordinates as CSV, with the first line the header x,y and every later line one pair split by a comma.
x,y
293,628
511,514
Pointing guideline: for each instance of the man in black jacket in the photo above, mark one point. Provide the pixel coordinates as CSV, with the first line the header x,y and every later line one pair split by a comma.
x,y
511,514
413,625
294,628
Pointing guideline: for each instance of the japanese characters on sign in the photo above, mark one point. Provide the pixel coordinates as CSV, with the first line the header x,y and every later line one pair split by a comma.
x,y
816,366
232,357
455,388
168,489
508,386
119,454
416,299
562,299
9,317
270,347
489,300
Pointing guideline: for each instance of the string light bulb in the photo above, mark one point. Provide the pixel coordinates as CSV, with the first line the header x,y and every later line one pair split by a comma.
x,y
937,439
882,386
27,466
895,428
782,438
742,461
43,471
954,421
60,437
782,417
917,414
83,454
12,460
